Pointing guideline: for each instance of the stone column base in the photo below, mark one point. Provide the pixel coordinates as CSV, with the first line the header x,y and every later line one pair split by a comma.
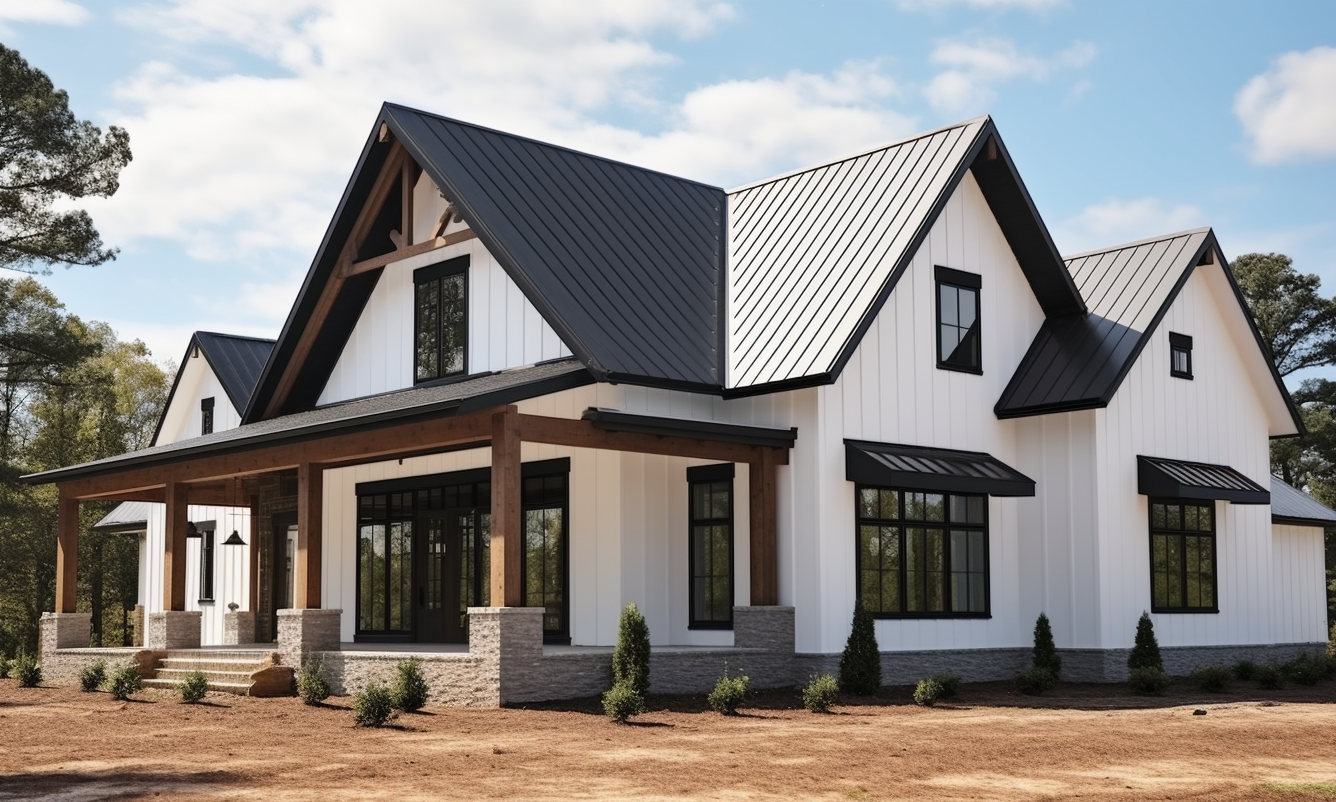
x,y
769,628
509,642
138,625
173,629
301,632
238,627
63,631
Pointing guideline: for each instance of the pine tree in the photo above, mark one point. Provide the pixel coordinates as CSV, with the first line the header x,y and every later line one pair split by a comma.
x,y
1146,651
630,658
860,665
1045,651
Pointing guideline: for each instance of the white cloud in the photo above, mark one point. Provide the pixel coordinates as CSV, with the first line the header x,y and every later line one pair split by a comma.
x,y
1023,5
1118,221
48,12
1289,111
974,67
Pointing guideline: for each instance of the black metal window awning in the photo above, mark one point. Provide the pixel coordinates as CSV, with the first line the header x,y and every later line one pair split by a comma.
x,y
1172,478
937,469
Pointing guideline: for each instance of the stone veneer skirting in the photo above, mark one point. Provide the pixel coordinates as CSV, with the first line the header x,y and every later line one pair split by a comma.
x,y
173,629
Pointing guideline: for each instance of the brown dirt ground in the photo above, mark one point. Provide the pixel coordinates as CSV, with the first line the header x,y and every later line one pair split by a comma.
x,y
1078,741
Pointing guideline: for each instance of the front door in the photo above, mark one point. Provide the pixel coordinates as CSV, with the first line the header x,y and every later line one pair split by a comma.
x,y
451,572
282,571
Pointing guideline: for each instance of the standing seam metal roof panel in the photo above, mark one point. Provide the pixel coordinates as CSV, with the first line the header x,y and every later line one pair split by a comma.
x,y
236,361
1291,505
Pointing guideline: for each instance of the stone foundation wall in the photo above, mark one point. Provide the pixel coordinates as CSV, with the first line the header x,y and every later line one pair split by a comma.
x,y
173,629
1110,665
456,680
907,668
301,632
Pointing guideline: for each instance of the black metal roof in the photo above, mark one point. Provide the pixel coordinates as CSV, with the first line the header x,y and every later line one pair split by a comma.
x,y
1172,478
615,421
1290,505
237,362
937,469
128,516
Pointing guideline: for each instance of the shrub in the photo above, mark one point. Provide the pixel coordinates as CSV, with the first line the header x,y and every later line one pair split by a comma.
x,y
373,707
5,665
1045,651
927,692
1270,677
1148,680
630,658
950,684
1306,669
28,671
125,682
729,693
819,694
193,687
623,701
311,685
1146,651
410,687
1035,681
860,665
1214,679
1245,670
92,676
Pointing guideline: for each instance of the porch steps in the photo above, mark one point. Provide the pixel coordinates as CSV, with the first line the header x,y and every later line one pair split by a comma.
x,y
246,672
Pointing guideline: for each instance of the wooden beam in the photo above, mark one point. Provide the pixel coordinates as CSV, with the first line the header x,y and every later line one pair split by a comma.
x,y
310,509
174,562
507,527
584,434
254,548
764,537
408,251
384,135
67,554
410,172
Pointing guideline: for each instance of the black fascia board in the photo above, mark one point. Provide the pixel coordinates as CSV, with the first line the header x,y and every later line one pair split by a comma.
x,y
330,341
860,467
800,383
1154,482
1308,522
615,421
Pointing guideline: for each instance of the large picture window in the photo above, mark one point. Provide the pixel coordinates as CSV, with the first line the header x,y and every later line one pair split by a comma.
x,y
958,346
440,320
922,555
711,549
1182,555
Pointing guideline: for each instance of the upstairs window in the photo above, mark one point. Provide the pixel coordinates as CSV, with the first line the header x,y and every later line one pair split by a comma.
x,y
206,416
440,320
1180,356
958,320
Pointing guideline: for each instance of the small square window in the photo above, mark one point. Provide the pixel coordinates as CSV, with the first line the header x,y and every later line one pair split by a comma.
x,y
1180,355
958,339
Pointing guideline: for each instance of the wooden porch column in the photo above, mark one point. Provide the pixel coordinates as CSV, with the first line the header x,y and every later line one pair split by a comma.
x,y
254,589
507,531
174,563
764,546
310,507
67,553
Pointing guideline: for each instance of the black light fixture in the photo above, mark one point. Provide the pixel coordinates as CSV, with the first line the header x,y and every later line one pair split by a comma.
x,y
192,530
234,539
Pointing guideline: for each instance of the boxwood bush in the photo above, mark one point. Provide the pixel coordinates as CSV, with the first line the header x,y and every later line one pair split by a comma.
x,y
410,687
1245,670
622,701
92,676
1148,680
28,671
311,685
927,692
1213,679
1270,677
1034,681
729,694
373,707
125,682
820,693
193,687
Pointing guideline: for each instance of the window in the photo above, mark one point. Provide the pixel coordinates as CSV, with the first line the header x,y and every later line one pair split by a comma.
x,y
921,554
206,565
440,319
206,416
711,548
958,320
1180,355
385,564
1182,556
544,558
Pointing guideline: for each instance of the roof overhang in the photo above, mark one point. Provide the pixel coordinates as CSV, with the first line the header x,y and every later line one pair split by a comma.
x,y
937,469
1170,478
614,421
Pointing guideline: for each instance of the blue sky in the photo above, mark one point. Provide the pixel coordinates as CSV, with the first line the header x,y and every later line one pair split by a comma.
x,y
1126,119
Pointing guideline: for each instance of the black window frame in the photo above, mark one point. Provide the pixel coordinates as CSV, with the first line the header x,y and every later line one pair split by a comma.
x,y
1182,533
710,475
1180,344
207,564
433,274
206,416
946,524
947,277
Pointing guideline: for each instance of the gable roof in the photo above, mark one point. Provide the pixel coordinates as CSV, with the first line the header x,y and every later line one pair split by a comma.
x,y
1079,361
815,253
624,263
235,360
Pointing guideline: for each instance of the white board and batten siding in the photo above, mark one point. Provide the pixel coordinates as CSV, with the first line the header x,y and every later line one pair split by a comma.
x,y
505,330
1298,571
182,420
231,565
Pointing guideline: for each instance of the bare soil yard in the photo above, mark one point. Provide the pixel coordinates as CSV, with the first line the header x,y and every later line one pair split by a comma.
x,y
1078,741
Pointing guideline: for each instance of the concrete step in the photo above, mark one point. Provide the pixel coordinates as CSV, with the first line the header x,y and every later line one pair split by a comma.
x,y
238,688
240,671
253,655
210,664
179,675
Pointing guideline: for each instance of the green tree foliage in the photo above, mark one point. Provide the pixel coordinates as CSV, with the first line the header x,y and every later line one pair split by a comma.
x,y
1146,649
860,665
48,157
1045,651
630,657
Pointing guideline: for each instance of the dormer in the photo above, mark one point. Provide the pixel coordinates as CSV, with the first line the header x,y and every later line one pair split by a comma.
x,y
212,386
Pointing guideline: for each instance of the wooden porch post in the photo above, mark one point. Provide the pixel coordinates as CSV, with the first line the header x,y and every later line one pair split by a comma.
x,y
507,533
174,563
764,548
254,589
67,553
310,507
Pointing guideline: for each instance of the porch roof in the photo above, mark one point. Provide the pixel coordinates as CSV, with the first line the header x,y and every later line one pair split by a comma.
x,y
934,469
1171,478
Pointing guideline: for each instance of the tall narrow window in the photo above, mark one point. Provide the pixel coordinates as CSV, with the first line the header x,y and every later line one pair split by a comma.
x,y
440,315
206,416
206,565
1182,556
544,502
711,551
958,346
1180,355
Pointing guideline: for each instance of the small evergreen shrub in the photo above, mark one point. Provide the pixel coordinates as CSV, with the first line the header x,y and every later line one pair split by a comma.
x,y
92,676
860,665
5,666
1045,651
1148,680
1306,669
820,693
1146,650
622,701
1213,679
28,671
630,658
729,693
410,687
125,682
1270,677
193,687
311,685
1245,670
950,684
1035,681
373,707
927,692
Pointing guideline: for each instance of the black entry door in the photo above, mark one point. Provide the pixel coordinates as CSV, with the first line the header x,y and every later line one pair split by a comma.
x,y
431,563
453,565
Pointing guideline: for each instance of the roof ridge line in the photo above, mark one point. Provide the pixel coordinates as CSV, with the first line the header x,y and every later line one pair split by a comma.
x,y
235,336
1146,241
